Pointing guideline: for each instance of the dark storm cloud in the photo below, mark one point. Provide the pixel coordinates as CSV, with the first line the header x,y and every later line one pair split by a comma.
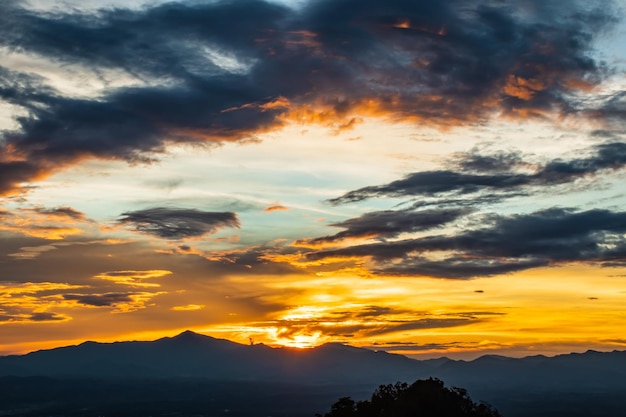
x,y
607,156
178,223
389,223
110,299
506,244
162,40
217,71
188,104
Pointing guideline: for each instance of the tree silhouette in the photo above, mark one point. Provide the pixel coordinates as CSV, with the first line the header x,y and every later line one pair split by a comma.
x,y
423,398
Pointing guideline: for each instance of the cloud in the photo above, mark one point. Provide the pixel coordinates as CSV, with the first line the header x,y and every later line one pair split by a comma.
x,y
489,244
178,223
29,302
369,321
12,289
497,162
428,323
418,347
42,317
47,223
101,300
209,72
275,207
61,212
364,321
506,244
133,278
188,307
166,184
388,224
32,252
122,302
606,156
47,316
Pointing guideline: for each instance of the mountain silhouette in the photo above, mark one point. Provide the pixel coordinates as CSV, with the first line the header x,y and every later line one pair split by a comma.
x,y
192,355
578,384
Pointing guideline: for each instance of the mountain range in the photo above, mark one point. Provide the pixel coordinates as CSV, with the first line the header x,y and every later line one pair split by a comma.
x,y
192,355
584,384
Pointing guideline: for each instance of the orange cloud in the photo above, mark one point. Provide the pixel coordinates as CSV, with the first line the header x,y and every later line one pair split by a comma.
x,y
13,289
188,307
31,302
51,224
134,278
405,23
316,243
32,252
306,38
523,88
299,260
275,207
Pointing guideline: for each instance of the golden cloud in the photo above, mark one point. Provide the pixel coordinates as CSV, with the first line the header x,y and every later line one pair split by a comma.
x,y
134,278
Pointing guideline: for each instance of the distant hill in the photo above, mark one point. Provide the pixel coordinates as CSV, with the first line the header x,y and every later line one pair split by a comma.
x,y
586,384
590,371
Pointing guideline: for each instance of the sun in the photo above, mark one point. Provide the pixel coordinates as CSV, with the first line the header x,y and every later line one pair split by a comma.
x,y
301,341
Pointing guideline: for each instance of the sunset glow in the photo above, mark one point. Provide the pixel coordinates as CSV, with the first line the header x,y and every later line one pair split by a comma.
x,y
425,179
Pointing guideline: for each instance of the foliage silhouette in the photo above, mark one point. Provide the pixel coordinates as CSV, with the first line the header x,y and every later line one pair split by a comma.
x,y
423,398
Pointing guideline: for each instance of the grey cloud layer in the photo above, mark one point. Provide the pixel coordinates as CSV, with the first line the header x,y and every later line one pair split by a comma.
x,y
446,62
506,244
101,300
487,244
499,177
34,317
177,223
390,223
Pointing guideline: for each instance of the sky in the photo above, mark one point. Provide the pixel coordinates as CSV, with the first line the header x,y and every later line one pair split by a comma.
x,y
432,178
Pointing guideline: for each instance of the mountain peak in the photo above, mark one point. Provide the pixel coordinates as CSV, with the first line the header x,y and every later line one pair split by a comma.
x,y
187,333
190,335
